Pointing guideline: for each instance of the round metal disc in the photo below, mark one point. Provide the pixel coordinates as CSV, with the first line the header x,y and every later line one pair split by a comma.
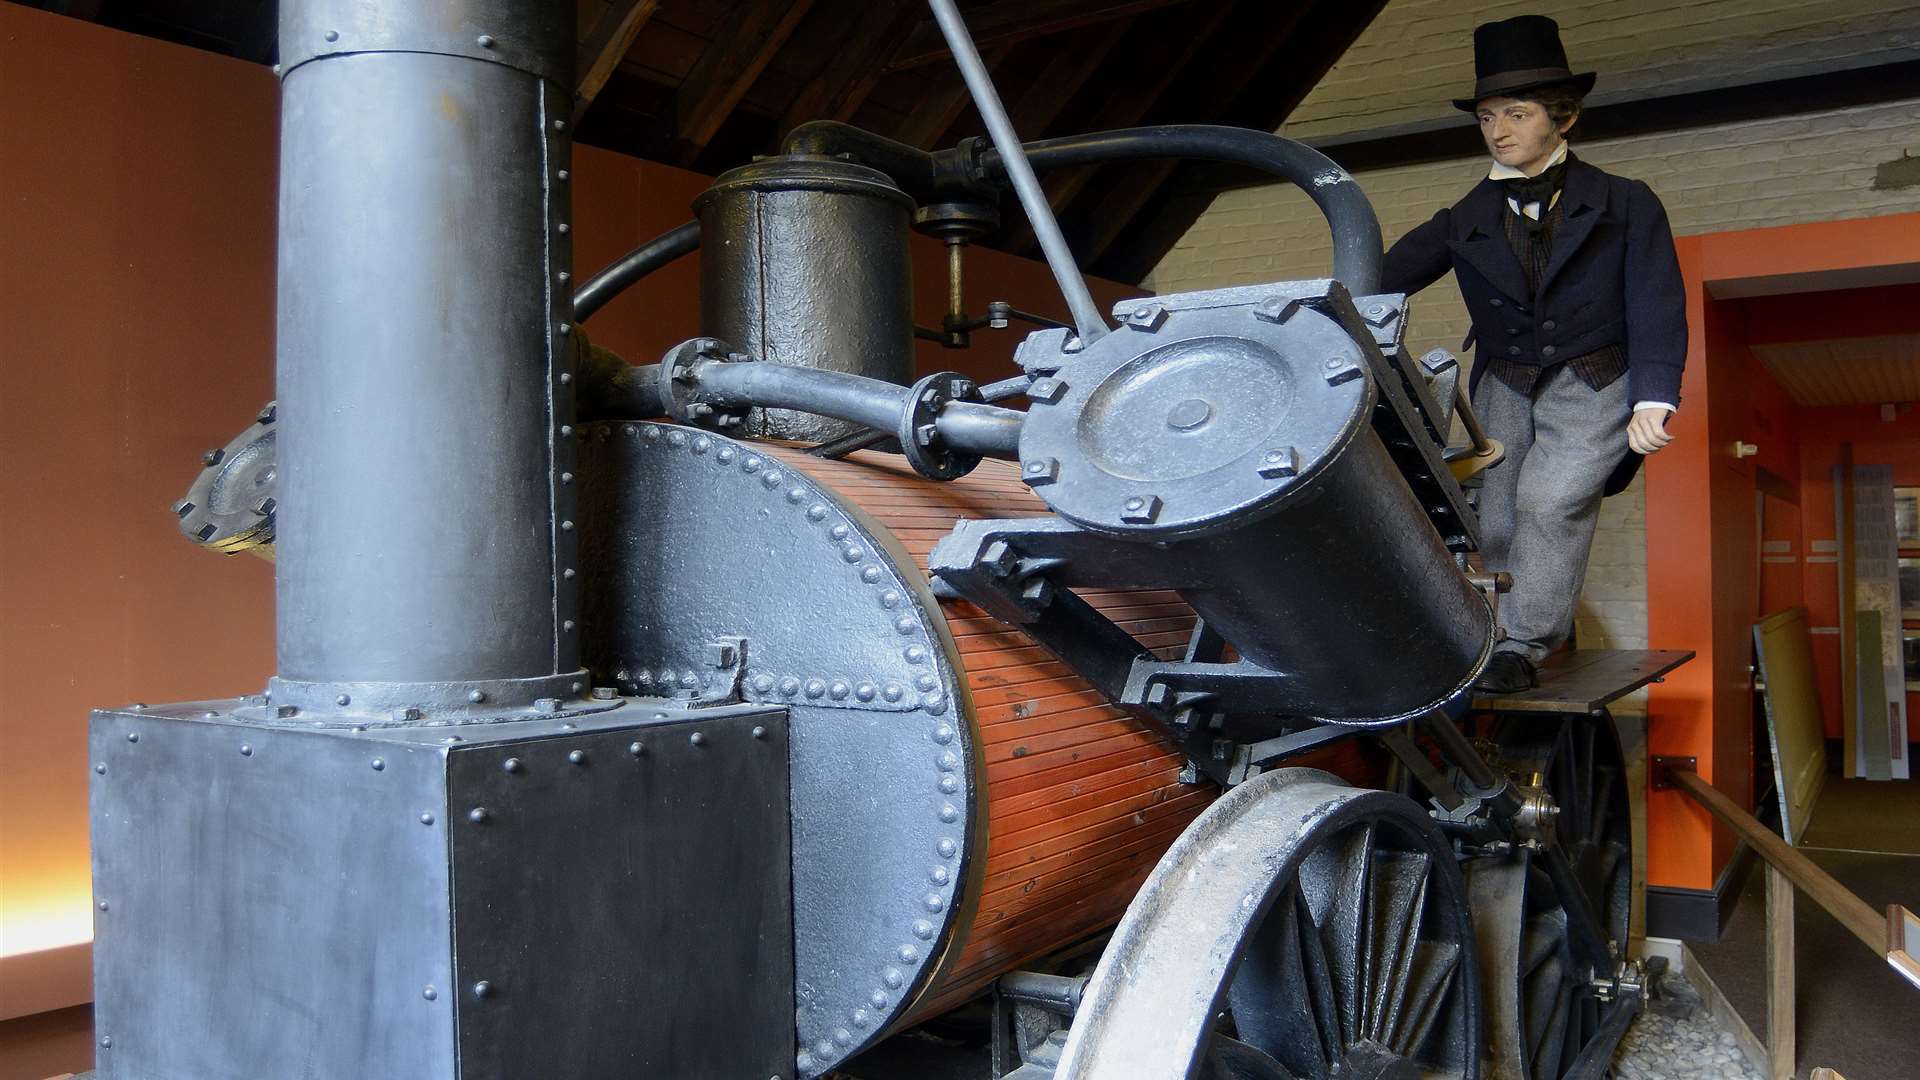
x,y
1175,427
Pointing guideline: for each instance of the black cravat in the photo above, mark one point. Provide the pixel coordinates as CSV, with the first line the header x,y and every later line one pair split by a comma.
x,y
1536,189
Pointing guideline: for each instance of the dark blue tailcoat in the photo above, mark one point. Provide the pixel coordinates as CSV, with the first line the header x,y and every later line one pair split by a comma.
x,y
1613,279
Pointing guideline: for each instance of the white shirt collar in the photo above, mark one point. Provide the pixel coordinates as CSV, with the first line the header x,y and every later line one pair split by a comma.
x,y
1508,172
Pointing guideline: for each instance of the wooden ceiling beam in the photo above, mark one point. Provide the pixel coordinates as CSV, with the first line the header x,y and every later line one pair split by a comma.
x,y
1162,61
941,103
728,67
1014,21
1165,215
855,69
605,46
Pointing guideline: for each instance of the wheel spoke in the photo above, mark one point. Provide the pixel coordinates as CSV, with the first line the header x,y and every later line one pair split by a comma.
x,y
1270,991
1326,1004
1398,897
1544,937
1547,1057
1343,927
1427,993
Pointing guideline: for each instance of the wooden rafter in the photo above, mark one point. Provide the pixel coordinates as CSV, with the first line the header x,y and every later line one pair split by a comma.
x,y
1013,21
605,46
1165,57
855,68
728,68
941,103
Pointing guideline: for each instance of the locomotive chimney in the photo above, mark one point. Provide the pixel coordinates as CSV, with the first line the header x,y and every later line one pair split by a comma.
x,y
426,554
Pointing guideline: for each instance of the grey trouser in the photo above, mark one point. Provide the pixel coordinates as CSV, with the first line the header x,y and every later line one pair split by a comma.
x,y
1540,505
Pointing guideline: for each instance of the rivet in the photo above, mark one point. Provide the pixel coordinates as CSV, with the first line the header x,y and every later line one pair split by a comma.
x,y
893,692
559,125
133,736
938,875
379,764
949,813
771,480
934,703
343,699
567,574
726,455
102,905
426,819
796,495
566,377
936,902
577,757
698,738
824,1048
925,679
485,40
816,512
914,654
566,624
870,574
949,761
906,624
889,599
750,464
566,478
429,993
563,175
862,1017
838,532
815,688
947,848
511,765
476,696
245,751
759,732
762,683
106,1042
878,999
949,784
789,686
653,433
482,989
842,1036
864,691
701,444
923,929
943,734
892,978
637,749
852,553
564,228
332,35
478,815
838,690
138,706
211,715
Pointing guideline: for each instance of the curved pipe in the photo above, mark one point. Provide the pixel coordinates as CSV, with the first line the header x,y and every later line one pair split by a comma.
x,y
1356,231
966,427
631,267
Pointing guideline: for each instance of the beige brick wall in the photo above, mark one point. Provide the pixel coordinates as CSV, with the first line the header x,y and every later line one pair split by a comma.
x,y
1812,167
1417,54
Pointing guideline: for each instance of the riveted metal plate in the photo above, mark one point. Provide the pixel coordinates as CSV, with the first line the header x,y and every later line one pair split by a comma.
x,y
266,902
624,914
840,626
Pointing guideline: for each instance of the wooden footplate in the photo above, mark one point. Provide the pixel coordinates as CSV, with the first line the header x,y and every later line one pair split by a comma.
x,y
1585,680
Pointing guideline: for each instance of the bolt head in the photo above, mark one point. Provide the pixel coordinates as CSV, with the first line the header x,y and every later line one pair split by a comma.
x,y
1340,370
406,714
1140,509
265,506
183,507
546,705
1045,391
1147,317
1279,462
925,434
605,693
722,654
1275,309
212,457
1040,471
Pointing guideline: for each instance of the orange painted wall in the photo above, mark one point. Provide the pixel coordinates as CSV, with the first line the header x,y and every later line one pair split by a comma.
x,y
1702,571
137,297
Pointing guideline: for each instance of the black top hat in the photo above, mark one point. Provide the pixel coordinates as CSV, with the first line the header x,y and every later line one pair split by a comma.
x,y
1519,54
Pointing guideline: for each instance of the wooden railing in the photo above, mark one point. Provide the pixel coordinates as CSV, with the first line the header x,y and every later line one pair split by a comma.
x,y
1893,935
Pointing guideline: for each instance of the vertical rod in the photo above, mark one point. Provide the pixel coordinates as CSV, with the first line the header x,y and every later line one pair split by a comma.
x,y
1780,985
1087,320
956,295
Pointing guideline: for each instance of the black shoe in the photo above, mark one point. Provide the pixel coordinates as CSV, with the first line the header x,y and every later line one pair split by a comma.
x,y
1507,673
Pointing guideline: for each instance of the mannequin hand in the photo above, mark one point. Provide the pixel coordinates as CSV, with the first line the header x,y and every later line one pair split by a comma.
x,y
1647,431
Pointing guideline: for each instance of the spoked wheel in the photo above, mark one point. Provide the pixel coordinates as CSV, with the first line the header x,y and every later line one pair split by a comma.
x,y
1537,962
1300,928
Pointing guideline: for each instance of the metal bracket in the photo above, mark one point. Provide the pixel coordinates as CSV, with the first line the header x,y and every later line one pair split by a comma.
x,y
1661,766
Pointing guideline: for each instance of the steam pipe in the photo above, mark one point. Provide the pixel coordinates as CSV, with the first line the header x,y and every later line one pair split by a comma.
x,y
1356,231
965,426
908,166
618,275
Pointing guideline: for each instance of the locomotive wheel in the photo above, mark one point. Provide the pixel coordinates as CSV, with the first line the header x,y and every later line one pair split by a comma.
x,y
1299,928
1540,1007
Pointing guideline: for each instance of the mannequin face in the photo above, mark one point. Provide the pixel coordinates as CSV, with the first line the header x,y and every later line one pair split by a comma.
x,y
1519,133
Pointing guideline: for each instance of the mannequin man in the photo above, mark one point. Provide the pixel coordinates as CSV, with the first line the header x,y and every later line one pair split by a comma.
x,y
1573,286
